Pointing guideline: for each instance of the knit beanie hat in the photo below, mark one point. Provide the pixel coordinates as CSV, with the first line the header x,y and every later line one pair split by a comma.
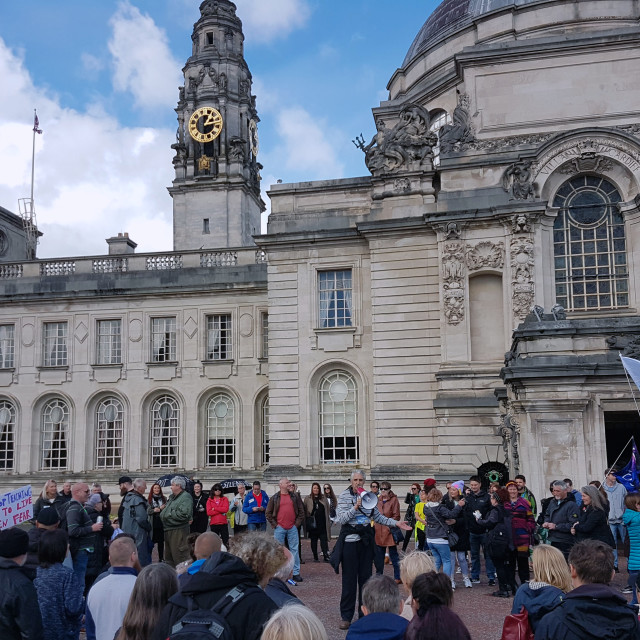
x,y
13,542
459,485
94,499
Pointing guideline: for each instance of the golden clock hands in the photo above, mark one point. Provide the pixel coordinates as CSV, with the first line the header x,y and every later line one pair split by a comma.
x,y
212,119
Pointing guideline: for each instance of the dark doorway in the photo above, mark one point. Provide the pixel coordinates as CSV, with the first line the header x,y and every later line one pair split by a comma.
x,y
619,426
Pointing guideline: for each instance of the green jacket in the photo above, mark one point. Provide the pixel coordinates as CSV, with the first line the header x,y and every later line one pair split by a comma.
x,y
178,512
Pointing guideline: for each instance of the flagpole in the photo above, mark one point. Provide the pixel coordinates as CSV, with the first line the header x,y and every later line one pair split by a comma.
x,y
620,456
33,159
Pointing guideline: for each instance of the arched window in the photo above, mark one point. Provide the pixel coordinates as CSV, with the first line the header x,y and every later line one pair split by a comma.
x,y
7,435
165,432
109,434
264,429
221,432
437,119
338,418
55,429
589,246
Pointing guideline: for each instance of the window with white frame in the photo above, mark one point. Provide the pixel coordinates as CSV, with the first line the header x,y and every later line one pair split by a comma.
x,y
163,339
219,337
264,335
7,435
335,296
54,347
437,119
220,431
109,434
54,435
7,346
109,347
338,408
589,246
165,432
264,428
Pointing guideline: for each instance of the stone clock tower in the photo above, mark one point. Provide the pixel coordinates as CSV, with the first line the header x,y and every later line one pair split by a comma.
x,y
216,190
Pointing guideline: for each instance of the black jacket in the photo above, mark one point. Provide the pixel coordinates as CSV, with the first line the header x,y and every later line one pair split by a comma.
x,y
460,527
480,502
278,591
220,573
563,515
19,611
590,612
593,525
79,527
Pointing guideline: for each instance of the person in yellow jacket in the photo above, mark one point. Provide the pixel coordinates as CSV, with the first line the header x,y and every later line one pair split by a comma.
x,y
421,520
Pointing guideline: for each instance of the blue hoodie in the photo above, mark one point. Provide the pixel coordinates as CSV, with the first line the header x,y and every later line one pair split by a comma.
x,y
537,602
378,626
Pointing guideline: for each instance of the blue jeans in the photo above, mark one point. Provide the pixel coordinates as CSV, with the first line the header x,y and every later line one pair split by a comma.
x,y
279,533
80,562
618,530
442,557
395,560
257,526
477,541
462,561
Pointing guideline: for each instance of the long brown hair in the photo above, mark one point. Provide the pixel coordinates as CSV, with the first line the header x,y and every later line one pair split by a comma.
x,y
155,484
320,493
155,585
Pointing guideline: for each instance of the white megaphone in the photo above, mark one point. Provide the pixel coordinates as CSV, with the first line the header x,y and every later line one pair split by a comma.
x,y
368,498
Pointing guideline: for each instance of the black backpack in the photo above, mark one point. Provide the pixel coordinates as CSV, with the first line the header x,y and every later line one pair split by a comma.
x,y
207,624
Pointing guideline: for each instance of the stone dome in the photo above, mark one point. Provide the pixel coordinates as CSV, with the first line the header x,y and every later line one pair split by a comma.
x,y
452,15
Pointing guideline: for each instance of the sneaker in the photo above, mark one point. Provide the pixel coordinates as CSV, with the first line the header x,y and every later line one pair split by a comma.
x,y
467,582
453,585
458,570
298,578
626,590
475,580
492,582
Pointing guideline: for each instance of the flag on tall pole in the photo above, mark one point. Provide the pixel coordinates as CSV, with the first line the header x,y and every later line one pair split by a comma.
x,y
628,475
632,367
36,123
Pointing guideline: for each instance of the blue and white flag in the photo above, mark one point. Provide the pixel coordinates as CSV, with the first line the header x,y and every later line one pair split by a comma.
x,y
628,476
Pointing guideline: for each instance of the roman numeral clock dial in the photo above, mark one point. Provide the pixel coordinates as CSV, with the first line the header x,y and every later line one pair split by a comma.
x,y
205,124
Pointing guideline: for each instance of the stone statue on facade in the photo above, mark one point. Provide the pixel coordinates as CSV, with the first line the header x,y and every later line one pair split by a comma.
x,y
517,180
461,131
406,147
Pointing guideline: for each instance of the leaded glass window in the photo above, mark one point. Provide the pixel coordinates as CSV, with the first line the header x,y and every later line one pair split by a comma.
x,y
338,400
55,344
109,434
165,432
264,428
7,346
109,342
7,435
219,337
54,435
589,246
163,340
220,434
335,291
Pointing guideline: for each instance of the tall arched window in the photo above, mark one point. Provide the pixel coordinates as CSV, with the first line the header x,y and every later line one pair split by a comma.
x,y
55,429
589,246
338,418
165,432
220,432
264,429
437,119
7,435
109,433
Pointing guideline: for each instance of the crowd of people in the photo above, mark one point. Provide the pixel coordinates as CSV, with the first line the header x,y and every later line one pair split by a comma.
x,y
88,569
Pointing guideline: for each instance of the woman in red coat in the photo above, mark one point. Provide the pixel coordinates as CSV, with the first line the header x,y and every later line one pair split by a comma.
x,y
217,507
388,506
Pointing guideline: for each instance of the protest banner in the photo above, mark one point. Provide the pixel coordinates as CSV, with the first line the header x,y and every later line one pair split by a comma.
x,y
15,507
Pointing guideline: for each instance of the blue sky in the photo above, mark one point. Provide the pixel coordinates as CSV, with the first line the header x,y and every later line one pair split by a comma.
x,y
104,76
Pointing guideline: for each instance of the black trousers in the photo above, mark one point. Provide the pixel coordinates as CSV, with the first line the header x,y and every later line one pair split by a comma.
x,y
522,562
314,536
407,536
502,572
357,567
565,547
223,531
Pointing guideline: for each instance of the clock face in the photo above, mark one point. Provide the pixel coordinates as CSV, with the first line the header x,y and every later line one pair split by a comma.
x,y
253,137
211,124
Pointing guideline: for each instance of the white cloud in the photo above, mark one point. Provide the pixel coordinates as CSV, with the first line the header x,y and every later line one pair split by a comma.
x,y
143,64
94,177
308,144
264,21
91,64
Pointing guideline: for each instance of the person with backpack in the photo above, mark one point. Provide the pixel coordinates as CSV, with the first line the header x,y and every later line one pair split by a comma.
x,y
136,519
227,591
499,543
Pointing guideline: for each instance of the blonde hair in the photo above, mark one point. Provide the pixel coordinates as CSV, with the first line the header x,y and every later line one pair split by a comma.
x,y
46,486
413,564
550,566
293,622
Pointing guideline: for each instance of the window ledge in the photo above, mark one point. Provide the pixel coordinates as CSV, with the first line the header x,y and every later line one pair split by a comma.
x,y
107,366
166,363
64,367
350,329
221,361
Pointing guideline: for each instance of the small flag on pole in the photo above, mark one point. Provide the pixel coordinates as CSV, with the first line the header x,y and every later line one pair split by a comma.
x,y
628,476
37,129
632,367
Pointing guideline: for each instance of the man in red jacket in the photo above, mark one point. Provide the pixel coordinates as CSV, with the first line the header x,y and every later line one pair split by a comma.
x,y
285,513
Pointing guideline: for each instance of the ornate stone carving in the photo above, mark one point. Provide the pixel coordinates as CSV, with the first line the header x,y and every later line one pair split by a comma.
x,y
453,282
461,131
237,149
517,180
510,432
522,264
506,142
401,185
558,312
587,162
452,231
485,255
520,224
406,147
628,345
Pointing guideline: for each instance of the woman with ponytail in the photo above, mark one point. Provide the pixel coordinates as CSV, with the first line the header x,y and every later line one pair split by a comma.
x,y
432,597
